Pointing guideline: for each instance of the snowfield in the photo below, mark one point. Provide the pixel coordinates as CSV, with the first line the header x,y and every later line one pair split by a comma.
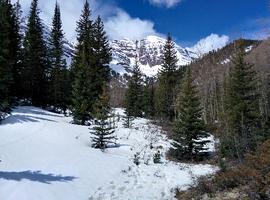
x,y
45,157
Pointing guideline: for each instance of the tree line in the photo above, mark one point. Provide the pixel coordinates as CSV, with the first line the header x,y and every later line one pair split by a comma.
x,y
174,100
33,70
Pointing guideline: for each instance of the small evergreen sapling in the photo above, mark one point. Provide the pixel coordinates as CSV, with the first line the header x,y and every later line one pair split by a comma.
x,y
102,134
128,120
157,157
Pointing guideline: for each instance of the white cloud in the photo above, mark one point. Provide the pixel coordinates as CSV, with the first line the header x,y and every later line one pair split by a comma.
x,y
123,26
166,3
210,43
118,23
70,11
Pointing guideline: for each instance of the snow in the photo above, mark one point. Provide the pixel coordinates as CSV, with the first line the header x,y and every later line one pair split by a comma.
x,y
226,61
212,42
150,55
248,49
44,157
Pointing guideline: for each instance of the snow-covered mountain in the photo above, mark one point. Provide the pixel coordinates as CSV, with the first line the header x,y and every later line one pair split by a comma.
x,y
150,51
149,55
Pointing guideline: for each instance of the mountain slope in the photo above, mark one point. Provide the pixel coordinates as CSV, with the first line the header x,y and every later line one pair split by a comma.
x,y
149,53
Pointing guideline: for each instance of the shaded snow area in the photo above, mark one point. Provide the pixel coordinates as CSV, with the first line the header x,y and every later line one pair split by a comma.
x,y
44,157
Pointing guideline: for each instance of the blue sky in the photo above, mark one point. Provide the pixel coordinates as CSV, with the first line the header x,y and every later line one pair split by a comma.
x,y
187,20
191,20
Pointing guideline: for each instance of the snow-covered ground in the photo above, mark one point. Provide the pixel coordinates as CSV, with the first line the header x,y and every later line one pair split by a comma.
x,y
44,157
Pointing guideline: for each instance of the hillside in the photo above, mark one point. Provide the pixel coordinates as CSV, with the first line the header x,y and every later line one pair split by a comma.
x,y
45,157
209,71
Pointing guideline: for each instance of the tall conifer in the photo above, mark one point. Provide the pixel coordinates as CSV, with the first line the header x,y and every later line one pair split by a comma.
x,y
134,98
35,59
84,89
167,80
189,129
59,87
242,113
5,61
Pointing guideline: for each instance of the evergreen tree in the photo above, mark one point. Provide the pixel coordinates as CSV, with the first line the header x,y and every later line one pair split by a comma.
x,y
167,80
189,130
35,59
5,61
59,80
15,36
103,129
128,120
84,85
102,55
242,113
149,98
133,98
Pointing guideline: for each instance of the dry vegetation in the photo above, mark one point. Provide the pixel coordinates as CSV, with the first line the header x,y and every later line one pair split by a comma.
x,y
250,179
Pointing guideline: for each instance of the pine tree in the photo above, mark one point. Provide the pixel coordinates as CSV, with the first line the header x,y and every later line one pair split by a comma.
x,y
103,129
35,59
84,88
167,80
189,130
133,98
102,55
149,98
15,36
242,113
128,119
59,76
5,61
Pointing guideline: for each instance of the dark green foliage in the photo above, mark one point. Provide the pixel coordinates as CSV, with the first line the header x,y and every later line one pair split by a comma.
x,y
103,129
59,74
167,81
128,120
242,115
102,55
35,59
84,76
16,50
189,130
149,98
90,65
157,157
7,57
133,98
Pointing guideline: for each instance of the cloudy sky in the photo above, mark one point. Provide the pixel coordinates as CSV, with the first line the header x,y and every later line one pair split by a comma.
x,y
188,20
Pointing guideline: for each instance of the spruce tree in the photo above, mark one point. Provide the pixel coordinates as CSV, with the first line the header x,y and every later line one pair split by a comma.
x,y
189,132
5,61
35,59
128,119
102,55
167,80
59,75
134,98
84,88
15,36
242,113
102,134
149,98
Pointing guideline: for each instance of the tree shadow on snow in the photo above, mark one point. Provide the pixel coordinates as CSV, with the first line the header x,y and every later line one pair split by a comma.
x,y
33,110
17,118
36,176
